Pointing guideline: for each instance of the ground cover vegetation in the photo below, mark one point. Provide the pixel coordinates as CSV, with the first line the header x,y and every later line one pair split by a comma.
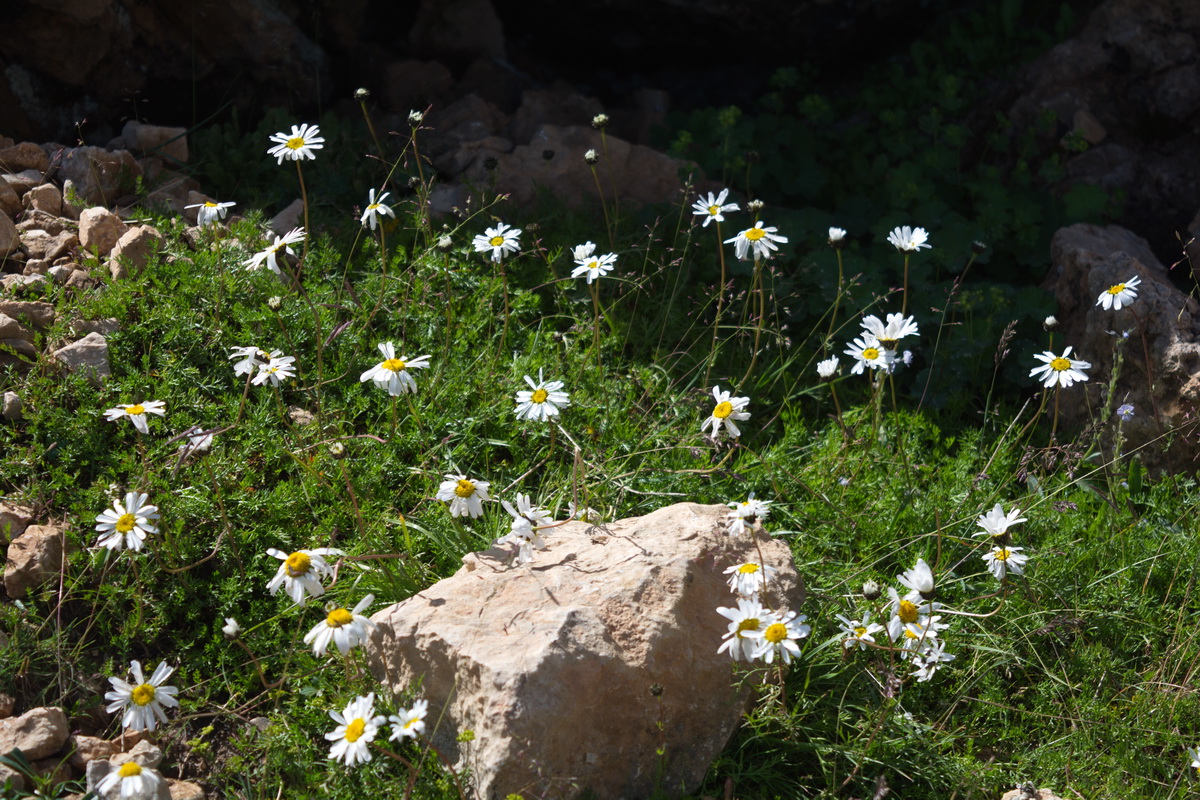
x,y
991,600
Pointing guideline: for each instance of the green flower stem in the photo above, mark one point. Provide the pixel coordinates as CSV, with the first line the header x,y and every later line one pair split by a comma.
x,y
904,300
712,350
307,229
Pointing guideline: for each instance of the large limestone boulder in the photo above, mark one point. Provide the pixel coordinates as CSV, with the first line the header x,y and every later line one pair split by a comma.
x,y
38,733
551,664
1160,370
33,558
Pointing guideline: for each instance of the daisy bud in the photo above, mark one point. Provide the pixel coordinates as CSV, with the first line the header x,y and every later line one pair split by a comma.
x,y
600,121
754,206
978,247
590,157
445,243
837,238
231,629
337,450
1050,323
274,302
870,590
415,118
414,182
362,94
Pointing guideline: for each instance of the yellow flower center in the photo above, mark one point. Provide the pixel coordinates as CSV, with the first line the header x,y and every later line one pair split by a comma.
x,y
125,523
373,206
748,569
496,241
354,730
394,365
1120,287
209,204
775,633
295,143
723,409
907,612
594,265
1002,554
1060,364
539,395
130,769
909,633
297,564
714,210
411,721
142,695
338,617
748,624
465,488
133,411
754,234
860,631
870,354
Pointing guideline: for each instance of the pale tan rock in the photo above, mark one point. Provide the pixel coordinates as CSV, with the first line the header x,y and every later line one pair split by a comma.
x,y
61,274
36,266
105,327
34,219
18,352
12,409
88,356
134,250
563,652
23,156
99,230
1023,794
23,181
10,775
80,279
170,143
14,519
73,204
185,790
11,329
45,197
10,241
33,558
145,753
42,244
31,312
38,733
101,177
300,416
10,201
90,748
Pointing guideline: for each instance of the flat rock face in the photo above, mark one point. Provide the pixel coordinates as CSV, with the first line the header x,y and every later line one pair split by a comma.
x,y
32,558
551,664
88,356
38,733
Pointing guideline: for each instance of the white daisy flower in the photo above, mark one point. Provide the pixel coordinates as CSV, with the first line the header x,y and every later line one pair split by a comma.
x,y
859,632
130,781
714,207
749,578
270,255
409,722
542,400
277,370
357,727
996,522
344,628
525,536
906,610
746,620
778,637
592,266
142,700
1061,370
196,442
210,212
828,368
126,525
919,580
748,510
137,412
868,352
727,411
1118,295
836,236
464,495
888,334
301,572
1004,560
930,660
375,207
759,239
298,145
501,240
907,239
917,636
1194,753
393,373
251,358
231,629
